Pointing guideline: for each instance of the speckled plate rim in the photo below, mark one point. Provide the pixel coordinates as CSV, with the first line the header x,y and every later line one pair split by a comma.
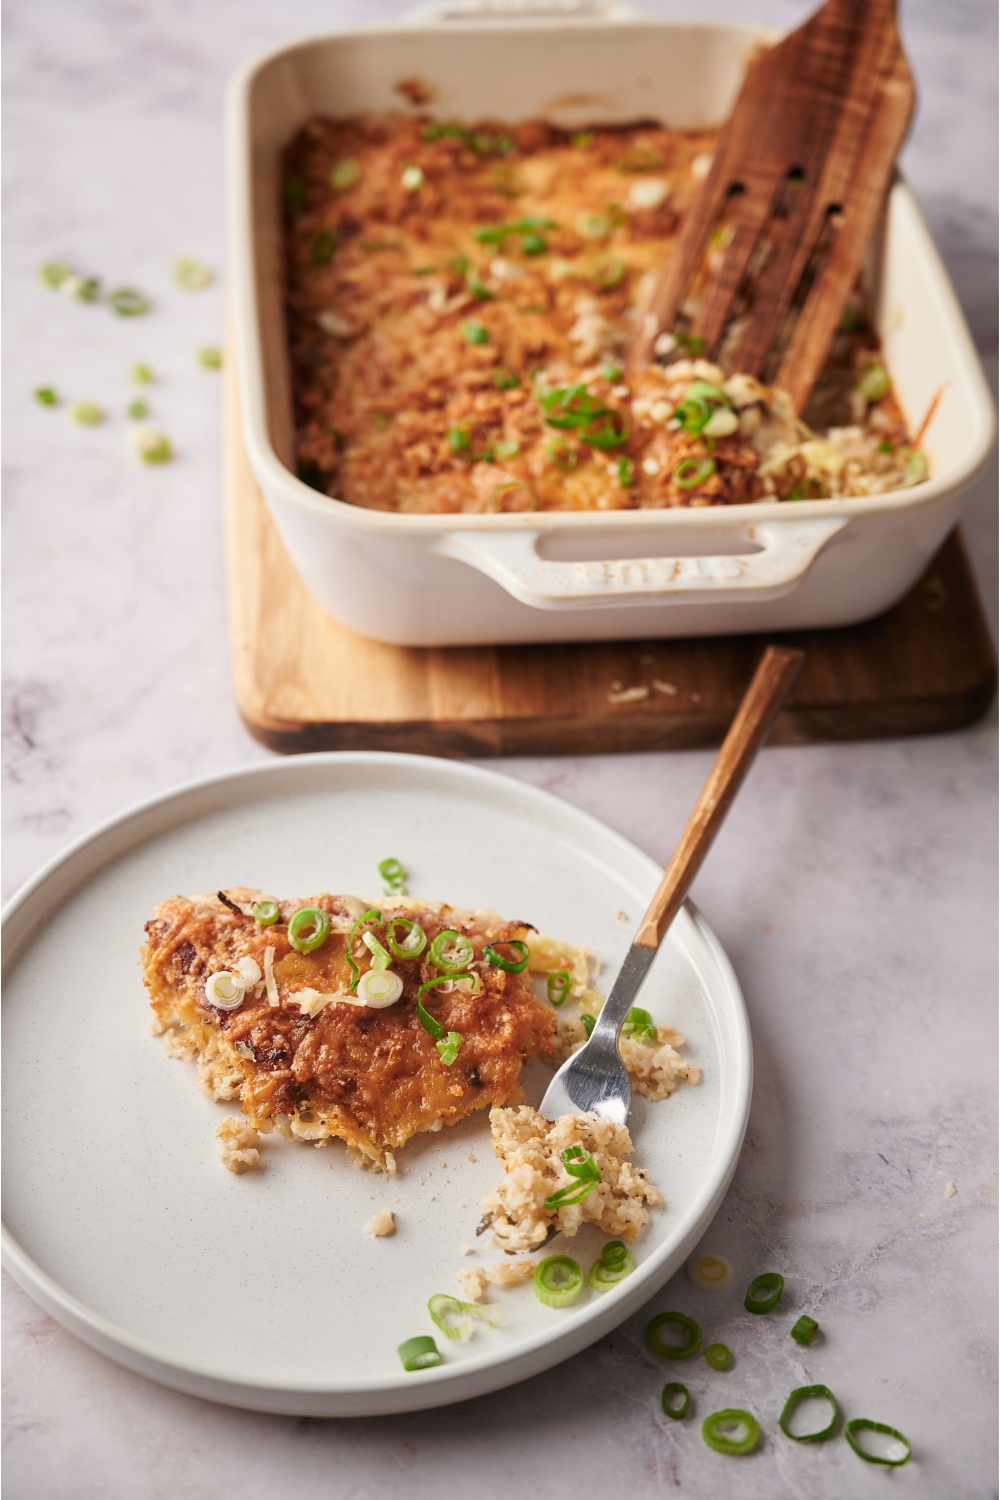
x,y
28,910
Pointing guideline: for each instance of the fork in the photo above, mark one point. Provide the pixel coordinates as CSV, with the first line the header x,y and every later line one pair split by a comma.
x,y
594,1079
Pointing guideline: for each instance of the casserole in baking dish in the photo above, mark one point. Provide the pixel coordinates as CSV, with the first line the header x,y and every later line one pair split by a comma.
x,y
437,579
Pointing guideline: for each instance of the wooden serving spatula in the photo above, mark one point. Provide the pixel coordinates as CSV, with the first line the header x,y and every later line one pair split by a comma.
x,y
774,245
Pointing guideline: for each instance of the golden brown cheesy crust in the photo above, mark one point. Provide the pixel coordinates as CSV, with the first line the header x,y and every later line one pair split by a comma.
x,y
371,1077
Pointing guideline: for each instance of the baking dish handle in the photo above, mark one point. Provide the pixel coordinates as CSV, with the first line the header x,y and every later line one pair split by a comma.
x,y
788,550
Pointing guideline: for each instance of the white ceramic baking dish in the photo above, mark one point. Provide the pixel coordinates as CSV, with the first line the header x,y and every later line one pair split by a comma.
x,y
450,580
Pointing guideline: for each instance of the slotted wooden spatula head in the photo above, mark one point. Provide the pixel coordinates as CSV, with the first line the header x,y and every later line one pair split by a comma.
x,y
775,242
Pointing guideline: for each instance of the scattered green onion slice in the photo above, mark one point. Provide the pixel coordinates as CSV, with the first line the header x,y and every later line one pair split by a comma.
x,y
639,1023
441,1305
509,966
593,226
764,1292
427,1021
448,1047
885,446
414,942
614,1263
916,469
505,379
719,1356
394,875
609,273
83,288
383,420
803,1393
379,987
451,951
640,159
380,958
209,357
478,288
584,138
589,1022
506,448
581,1165
558,986
612,373
691,472
266,912
874,382
344,175
302,939
366,916
810,489
152,447
561,454
324,248
713,1430
679,1322
571,406
558,1281
420,1353
892,1459
46,396
54,273
412,178
86,413
805,1330
672,1389
533,244
610,431
709,1273
190,275
690,343
137,410
513,484
459,439
626,472
142,374
127,302
473,331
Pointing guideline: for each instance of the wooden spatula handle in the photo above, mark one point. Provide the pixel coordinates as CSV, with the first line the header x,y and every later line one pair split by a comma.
x,y
778,669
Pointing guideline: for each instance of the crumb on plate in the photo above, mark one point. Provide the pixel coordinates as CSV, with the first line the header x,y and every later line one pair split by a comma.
x,y
237,1144
381,1224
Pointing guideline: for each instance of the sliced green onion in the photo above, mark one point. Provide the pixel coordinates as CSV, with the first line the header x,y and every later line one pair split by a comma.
x,y
46,396
640,159
509,966
582,1166
609,273
612,373
670,1392
810,489
344,175
459,264
895,1456
86,413
709,1273
719,1356
611,431
451,951
764,1292
803,1393
506,448
420,1353
383,420
714,1430
459,439
571,406
324,248
691,472
589,1022
593,226
678,1323
441,1305
394,875
533,244
191,275
448,1047
561,454
473,331
209,357
690,343
152,447
413,943
584,138
266,912
558,986
805,1330
639,1023
427,1021
874,382
626,472
916,469
54,273
127,302
380,958
513,484
308,929
412,178
614,1263
885,446
478,288
137,410
366,916
142,374
558,1281
379,987
505,379
83,288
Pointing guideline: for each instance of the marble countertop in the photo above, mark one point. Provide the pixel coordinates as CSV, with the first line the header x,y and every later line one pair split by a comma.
x,y
853,885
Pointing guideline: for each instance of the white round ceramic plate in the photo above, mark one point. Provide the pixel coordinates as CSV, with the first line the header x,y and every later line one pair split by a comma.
x,y
262,1290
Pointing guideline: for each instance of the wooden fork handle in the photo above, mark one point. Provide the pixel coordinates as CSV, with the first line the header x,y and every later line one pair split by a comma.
x,y
762,701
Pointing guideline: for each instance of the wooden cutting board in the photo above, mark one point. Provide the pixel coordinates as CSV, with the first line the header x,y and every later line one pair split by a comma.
x,y
304,682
